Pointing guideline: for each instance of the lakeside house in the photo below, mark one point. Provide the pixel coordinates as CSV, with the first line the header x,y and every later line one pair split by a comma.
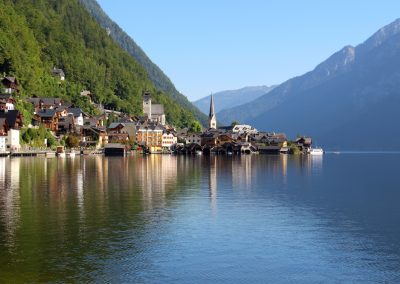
x,y
10,124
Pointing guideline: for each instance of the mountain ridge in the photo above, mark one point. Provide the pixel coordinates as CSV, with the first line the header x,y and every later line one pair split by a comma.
x,y
230,98
337,92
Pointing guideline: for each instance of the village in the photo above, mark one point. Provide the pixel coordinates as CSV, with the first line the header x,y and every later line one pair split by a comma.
x,y
72,129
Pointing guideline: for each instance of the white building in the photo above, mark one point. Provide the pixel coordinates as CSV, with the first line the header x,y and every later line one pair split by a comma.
x,y
3,143
154,112
12,142
168,139
244,128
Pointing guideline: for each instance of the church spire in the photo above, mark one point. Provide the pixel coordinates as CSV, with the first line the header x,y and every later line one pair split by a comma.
x,y
212,119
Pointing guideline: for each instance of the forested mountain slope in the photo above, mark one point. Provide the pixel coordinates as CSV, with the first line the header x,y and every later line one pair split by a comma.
x,y
36,36
156,75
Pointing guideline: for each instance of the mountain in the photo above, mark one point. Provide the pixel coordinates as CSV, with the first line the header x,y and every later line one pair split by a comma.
x,y
36,36
156,75
228,99
350,101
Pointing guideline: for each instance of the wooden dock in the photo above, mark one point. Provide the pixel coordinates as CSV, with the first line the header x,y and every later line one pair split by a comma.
x,y
28,154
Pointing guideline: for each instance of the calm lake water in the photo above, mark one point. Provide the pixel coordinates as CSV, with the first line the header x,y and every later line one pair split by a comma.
x,y
158,219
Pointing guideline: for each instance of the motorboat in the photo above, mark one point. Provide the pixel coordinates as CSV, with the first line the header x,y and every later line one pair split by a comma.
x,y
316,151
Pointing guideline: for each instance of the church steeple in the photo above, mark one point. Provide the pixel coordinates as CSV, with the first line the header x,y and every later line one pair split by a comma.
x,y
212,119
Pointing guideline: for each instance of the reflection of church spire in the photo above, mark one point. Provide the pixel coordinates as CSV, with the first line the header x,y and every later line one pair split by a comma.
x,y
212,118
213,182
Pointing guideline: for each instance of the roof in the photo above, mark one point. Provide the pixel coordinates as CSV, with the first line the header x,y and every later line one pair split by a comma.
x,y
212,112
51,101
115,125
226,128
305,140
47,113
58,71
114,145
11,116
5,96
157,109
11,79
75,111
149,127
34,101
65,121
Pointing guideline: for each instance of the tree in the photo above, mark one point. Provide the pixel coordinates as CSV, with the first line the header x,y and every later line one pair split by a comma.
x,y
195,126
234,123
72,141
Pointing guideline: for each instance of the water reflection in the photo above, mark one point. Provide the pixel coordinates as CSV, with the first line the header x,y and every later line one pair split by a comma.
x,y
96,218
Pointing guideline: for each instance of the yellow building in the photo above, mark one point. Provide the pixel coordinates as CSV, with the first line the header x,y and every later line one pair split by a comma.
x,y
150,136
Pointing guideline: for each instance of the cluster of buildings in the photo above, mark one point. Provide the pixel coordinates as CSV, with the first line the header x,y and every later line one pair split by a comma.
x,y
149,132
235,139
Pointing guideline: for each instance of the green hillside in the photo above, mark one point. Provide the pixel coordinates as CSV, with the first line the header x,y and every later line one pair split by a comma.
x,y
36,36
156,75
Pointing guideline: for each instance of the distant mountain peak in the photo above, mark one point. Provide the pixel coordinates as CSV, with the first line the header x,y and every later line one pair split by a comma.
x,y
338,62
381,36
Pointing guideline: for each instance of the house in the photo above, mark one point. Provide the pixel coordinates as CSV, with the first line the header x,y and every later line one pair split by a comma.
x,y
77,114
94,121
65,124
10,123
223,138
153,112
87,94
116,133
209,138
244,128
48,118
57,72
13,119
193,138
8,140
7,102
260,137
304,143
45,103
278,139
50,103
10,84
149,135
94,136
12,142
168,140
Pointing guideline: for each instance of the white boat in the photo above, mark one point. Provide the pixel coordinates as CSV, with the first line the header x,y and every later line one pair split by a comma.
x,y
316,151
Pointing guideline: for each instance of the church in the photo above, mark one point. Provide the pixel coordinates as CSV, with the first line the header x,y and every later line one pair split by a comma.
x,y
212,118
153,112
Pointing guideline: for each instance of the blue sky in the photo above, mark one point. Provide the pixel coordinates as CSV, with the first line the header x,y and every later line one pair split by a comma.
x,y
209,46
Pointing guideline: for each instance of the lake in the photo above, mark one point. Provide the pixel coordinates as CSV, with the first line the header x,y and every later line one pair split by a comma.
x,y
177,219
